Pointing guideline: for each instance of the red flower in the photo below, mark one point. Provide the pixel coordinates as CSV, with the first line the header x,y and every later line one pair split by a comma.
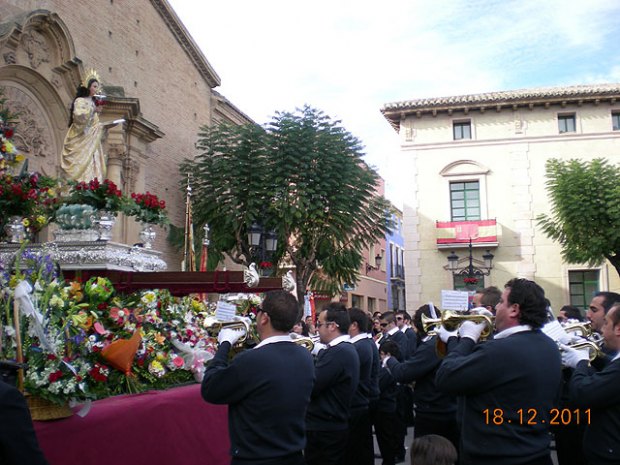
x,y
8,133
55,376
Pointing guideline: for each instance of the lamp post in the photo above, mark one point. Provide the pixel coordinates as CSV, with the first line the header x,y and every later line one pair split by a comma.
x,y
263,245
377,265
471,273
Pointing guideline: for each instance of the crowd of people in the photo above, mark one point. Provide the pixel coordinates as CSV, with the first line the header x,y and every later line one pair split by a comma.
x,y
474,394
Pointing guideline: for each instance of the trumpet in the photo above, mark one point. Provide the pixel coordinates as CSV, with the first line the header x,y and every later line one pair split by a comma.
x,y
581,328
305,342
214,327
594,349
453,320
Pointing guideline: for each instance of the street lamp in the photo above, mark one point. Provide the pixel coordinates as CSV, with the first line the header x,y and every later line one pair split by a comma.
x,y
378,259
263,244
471,273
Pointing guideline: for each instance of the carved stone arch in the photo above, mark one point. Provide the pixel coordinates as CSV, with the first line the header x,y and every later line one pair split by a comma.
x,y
40,40
464,167
42,117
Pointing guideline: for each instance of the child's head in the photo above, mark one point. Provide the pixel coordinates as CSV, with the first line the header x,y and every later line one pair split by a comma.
x,y
432,450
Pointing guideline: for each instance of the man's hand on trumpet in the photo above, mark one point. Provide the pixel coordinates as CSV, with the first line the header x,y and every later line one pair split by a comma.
x,y
571,357
471,329
229,335
445,334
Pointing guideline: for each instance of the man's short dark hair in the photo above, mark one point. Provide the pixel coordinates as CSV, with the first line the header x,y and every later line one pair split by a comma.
x,y
359,316
417,318
282,309
389,317
490,296
531,300
615,316
390,348
609,299
405,315
572,313
338,313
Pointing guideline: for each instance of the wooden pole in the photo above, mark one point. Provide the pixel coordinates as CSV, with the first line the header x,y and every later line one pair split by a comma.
x,y
18,342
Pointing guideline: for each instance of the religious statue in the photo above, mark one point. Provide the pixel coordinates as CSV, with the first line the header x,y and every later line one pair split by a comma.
x,y
83,158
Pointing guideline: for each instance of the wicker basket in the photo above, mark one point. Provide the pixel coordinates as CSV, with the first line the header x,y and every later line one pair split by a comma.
x,y
42,409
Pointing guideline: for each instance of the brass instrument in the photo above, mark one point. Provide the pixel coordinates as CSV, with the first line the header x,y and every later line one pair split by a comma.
x,y
214,327
594,349
582,328
305,342
589,339
453,320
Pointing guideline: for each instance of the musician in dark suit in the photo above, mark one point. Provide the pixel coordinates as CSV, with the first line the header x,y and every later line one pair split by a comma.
x,y
18,441
267,388
596,392
391,332
435,411
508,386
337,370
360,448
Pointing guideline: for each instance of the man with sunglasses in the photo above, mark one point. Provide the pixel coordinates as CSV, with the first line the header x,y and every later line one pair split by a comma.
x,y
337,375
267,388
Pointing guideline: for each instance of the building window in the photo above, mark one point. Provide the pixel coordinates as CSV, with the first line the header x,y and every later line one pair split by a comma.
x,y
615,121
582,285
461,130
465,200
566,123
372,304
356,301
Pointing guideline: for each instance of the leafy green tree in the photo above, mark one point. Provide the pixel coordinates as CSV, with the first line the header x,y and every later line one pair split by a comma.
x,y
585,207
301,175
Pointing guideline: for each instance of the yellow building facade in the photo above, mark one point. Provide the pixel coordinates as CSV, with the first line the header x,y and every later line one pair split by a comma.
x,y
480,159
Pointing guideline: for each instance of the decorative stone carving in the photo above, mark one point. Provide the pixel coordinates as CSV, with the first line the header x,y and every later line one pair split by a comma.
x,y
9,58
56,81
36,46
32,136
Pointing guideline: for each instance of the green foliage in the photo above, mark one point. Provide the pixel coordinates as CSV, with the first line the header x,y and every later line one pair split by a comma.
x,y
585,201
301,175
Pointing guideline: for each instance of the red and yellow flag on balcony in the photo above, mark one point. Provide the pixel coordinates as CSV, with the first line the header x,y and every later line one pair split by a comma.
x,y
454,232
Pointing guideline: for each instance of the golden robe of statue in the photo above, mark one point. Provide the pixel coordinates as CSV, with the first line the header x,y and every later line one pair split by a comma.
x,y
82,155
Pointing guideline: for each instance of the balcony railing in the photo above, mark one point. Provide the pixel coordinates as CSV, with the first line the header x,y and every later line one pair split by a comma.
x,y
458,233
398,272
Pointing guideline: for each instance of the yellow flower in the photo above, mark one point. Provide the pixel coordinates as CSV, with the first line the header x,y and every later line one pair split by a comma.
x,y
8,147
41,220
20,157
159,338
83,320
56,301
26,222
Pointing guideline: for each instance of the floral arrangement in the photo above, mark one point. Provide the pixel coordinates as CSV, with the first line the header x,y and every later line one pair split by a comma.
x,y
147,208
470,280
30,196
100,195
90,343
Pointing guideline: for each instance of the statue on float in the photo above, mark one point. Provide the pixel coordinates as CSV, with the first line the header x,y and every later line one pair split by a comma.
x,y
83,157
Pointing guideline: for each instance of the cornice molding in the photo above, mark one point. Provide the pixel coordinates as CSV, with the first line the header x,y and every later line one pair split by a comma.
x,y
496,101
187,43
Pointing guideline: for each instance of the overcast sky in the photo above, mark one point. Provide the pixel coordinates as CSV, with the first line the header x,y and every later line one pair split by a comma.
x,y
349,58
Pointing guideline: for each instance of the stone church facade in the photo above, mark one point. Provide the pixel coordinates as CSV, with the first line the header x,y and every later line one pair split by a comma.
x,y
155,77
